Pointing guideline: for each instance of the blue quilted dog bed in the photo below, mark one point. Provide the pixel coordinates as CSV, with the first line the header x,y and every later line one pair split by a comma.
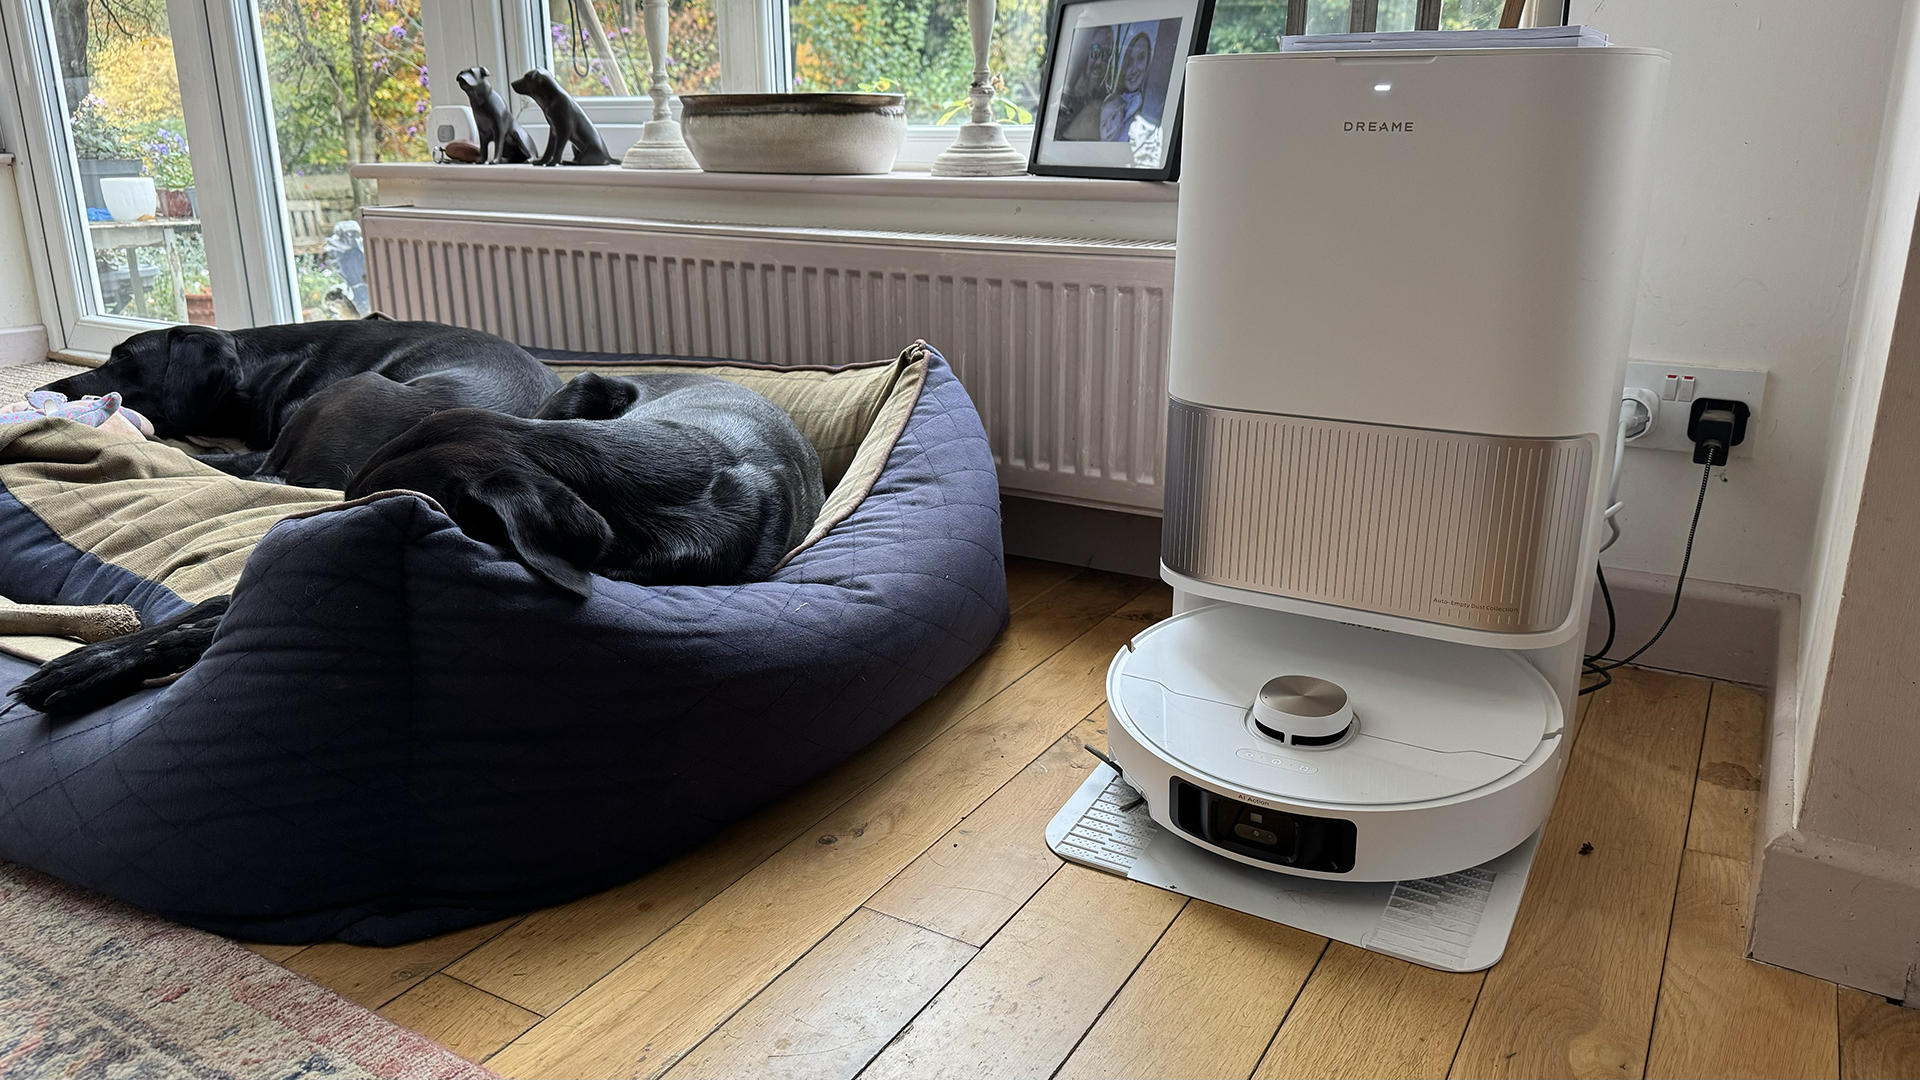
x,y
400,731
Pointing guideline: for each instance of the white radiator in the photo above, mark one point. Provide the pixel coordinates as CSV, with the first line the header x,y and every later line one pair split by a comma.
x,y
1062,343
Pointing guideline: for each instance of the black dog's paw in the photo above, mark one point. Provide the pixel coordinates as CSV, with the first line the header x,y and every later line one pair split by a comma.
x,y
103,673
588,396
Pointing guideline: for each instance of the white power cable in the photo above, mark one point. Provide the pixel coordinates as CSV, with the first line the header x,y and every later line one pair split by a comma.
x,y
1636,411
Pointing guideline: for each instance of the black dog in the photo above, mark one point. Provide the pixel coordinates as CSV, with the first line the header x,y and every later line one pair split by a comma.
x,y
500,136
567,123
312,401
657,479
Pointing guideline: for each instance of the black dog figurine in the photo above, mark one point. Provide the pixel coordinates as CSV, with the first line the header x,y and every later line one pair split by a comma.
x,y
567,123
500,136
680,479
312,401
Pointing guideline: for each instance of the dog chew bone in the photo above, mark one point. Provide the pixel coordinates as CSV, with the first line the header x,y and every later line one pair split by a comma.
x,y
88,623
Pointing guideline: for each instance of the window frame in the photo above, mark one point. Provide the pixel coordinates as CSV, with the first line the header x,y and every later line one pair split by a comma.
x,y
228,117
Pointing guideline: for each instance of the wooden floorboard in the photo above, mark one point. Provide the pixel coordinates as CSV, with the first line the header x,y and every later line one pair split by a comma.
x,y
467,1021
1878,1040
1030,579
1720,1014
641,1018
1726,798
1575,994
970,882
829,1014
1367,1015
373,976
901,916
1018,1009
838,1027
1212,992
555,954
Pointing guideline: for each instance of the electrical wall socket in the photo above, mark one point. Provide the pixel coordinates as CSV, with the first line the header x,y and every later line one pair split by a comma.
x,y
1679,385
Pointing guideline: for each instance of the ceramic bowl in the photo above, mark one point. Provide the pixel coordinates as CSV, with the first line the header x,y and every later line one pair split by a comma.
x,y
794,133
129,198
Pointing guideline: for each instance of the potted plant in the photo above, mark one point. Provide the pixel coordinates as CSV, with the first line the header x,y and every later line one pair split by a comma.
x,y
171,167
198,283
102,147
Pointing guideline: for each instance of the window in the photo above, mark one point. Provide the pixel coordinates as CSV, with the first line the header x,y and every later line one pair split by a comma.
x,y
349,83
598,48
126,134
1247,26
919,48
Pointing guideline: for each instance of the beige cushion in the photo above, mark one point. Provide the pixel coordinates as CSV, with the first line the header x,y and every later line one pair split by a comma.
x,y
833,407
852,415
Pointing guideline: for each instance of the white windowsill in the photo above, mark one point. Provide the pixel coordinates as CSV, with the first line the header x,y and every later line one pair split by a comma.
x,y
906,201
902,183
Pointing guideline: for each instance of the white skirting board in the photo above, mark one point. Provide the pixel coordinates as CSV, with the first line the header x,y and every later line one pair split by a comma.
x,y
22,344
1459,922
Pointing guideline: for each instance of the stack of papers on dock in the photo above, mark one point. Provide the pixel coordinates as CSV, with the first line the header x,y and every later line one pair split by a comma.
x,y
1531,37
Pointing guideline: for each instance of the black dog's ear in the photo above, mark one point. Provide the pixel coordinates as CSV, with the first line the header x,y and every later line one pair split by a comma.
x,y
549,527
202,364
588,396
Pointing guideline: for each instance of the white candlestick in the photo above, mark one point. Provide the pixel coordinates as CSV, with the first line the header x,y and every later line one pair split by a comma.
x,y
660,145
980,149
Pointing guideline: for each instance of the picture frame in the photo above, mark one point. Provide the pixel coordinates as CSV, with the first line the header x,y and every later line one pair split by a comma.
x,y
1114,86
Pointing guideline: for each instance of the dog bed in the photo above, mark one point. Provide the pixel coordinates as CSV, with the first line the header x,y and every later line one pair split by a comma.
x,y
400,731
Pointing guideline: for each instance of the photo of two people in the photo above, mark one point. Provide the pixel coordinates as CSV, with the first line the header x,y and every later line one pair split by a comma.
x,y
1116,89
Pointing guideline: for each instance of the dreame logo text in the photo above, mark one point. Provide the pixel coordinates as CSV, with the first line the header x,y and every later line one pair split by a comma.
x,y
1379,125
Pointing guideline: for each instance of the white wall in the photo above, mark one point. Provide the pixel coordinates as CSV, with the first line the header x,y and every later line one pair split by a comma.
x,y
1883,267
1767,160
19,304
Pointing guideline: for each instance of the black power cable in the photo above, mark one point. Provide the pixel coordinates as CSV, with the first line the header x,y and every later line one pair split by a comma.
x,y
1597,664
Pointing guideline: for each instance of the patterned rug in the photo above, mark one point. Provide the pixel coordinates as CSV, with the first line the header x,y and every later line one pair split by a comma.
x,y
91,987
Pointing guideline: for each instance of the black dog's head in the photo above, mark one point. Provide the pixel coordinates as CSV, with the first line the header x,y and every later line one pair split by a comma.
x,y
465,460
184,379
474,81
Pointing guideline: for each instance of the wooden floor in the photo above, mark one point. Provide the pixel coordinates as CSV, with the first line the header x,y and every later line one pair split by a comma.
x,y
902,917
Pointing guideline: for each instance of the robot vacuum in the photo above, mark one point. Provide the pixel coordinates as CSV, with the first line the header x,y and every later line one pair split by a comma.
x,y
1329,750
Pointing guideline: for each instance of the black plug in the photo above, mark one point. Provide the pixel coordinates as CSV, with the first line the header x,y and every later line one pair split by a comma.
x,y
1716,426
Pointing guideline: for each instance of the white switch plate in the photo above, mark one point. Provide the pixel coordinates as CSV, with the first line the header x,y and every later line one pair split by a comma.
x,y
1670,424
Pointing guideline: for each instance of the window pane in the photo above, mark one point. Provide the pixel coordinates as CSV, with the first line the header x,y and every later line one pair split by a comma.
x,y
1248,26
598,48
1470,14
128,136
349,84
919,48
1253,26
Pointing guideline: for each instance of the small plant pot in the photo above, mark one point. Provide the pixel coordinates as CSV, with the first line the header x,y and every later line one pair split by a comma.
x,y
130,198
200,308
176,202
